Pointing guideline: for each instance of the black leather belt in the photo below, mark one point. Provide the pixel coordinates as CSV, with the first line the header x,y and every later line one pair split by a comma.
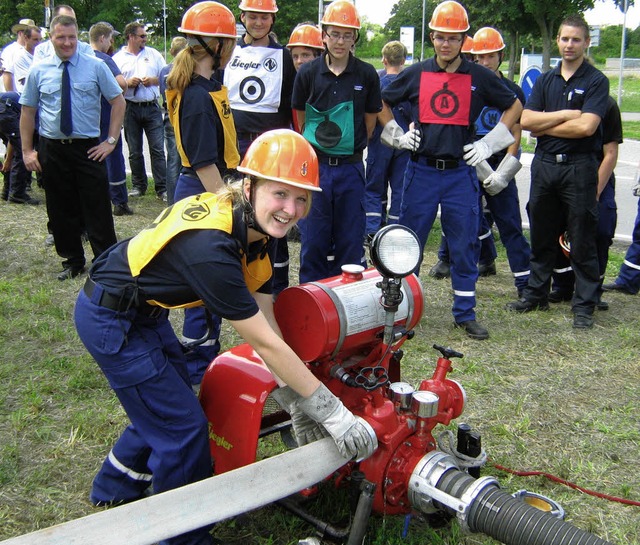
x,y
148,103
564,157
346,160
439,163
70,141
119,304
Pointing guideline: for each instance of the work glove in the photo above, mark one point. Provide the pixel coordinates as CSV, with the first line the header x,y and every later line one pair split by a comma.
x,y
506,171
305,429
497,139
393,136
483,171
353,435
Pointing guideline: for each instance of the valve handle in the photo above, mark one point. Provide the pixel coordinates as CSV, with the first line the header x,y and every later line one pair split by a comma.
x,y
448,352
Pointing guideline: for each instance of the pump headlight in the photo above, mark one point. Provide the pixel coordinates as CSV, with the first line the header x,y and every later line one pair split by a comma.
x,y
395,251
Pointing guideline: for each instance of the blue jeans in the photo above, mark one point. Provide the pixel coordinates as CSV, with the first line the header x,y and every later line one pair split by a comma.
x,y
173,159
145,118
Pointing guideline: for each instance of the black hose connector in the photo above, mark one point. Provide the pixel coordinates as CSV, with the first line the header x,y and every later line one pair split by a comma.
x,y
438,484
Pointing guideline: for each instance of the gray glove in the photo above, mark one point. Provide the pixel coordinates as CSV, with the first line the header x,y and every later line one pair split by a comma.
x,y
305,429
483,171
353,436
393,136
506,171
497,139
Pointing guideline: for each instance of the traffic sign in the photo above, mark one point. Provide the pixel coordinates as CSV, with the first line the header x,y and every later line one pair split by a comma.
x,y
528,78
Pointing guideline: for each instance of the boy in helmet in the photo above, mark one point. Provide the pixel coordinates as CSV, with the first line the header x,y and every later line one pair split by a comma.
x,y
211,250
305,44
498,177
336,99
447,94
260,80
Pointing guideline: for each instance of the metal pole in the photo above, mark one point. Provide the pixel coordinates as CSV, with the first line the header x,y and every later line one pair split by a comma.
x,y
320,10
424,11
164,24
624,38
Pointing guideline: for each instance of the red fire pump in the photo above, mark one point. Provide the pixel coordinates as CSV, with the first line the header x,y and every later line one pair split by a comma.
x,y
349,330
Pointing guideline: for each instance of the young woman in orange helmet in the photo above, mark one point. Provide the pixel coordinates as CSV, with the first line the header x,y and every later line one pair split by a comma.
x,y
212,250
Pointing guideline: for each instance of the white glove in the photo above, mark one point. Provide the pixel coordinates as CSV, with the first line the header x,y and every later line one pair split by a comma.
x,y
353,436
305,429
636,190
483,170
506,171
393,136
497,139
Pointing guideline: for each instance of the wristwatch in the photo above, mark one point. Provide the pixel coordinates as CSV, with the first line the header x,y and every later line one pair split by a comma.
x,y
112,141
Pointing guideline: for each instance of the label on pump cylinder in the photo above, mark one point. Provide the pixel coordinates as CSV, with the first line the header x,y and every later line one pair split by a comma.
x,y
360,302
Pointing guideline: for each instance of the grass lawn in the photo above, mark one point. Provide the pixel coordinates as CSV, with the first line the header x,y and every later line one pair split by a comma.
x,y
544,397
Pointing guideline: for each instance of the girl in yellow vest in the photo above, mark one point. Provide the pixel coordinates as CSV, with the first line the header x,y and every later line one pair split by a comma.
x,y
212,250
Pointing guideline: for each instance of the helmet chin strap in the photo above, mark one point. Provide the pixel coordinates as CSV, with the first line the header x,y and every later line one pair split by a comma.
x,y
253,38
215,56
249,212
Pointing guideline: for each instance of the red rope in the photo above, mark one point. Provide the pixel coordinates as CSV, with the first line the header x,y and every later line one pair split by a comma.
x,y
567,483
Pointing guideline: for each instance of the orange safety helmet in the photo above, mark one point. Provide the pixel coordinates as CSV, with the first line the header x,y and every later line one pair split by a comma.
x,y
467,45
306,36
259,6
341,13
449,16
487,40
565,244
283,155
209,19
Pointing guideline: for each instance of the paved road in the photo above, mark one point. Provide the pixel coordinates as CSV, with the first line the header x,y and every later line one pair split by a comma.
x,y
628,160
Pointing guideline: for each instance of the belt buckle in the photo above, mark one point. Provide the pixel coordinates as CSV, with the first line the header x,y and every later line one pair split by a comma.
x,y
561,158
65,141
441,164
334,161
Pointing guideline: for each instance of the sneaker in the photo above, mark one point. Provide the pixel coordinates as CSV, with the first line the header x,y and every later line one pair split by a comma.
x,y
473,329
617,287
557,296
48,241
136,193
487,270
442,269
122,210
524,305
582,321
162,195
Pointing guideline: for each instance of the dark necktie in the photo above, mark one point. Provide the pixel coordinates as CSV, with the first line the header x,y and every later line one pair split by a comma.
x,y
66,122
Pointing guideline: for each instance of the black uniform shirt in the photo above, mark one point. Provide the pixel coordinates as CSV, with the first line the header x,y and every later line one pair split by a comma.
x,y
587,90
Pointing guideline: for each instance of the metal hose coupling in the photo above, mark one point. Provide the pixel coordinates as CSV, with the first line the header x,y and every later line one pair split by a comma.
x,y
437,484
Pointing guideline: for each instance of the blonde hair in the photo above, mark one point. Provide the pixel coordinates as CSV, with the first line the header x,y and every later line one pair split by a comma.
x,y
184,65
177,45
395,52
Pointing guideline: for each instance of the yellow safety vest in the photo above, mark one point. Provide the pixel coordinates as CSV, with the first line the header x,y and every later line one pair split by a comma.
x,y
204,211
221,103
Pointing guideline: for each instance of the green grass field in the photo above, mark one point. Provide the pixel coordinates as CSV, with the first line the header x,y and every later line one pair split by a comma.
x,y
544,397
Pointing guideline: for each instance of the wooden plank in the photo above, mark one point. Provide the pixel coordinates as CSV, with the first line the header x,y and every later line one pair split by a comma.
x,y
177,511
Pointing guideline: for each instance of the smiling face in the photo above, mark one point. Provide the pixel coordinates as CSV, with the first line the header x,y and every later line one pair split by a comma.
x,y
65,40
277,206
258,24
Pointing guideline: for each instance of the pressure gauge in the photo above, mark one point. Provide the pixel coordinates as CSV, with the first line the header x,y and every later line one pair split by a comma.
x,y
401,393
424,404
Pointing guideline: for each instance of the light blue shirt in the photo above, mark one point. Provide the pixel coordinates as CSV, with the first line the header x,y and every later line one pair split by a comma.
x,y
90,78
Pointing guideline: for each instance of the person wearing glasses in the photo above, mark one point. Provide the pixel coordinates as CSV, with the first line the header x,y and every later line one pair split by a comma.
x,y
447,93
141,66
336,99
